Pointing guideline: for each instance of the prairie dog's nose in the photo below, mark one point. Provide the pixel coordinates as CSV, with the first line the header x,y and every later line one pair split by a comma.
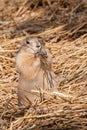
x,y
38,46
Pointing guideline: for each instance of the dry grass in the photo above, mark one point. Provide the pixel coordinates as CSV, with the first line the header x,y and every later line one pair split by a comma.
x,y
68,44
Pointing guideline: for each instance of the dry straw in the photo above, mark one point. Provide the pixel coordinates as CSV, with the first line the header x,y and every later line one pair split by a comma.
x,y
67,108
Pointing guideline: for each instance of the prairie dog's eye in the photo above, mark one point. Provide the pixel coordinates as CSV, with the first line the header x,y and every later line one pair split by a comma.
x,y
27,42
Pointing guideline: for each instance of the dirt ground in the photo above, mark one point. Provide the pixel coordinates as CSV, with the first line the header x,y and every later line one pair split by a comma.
x,y
63,26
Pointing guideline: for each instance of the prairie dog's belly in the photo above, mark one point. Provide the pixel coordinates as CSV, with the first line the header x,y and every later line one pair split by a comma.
x,y
38,82
31,89
27,90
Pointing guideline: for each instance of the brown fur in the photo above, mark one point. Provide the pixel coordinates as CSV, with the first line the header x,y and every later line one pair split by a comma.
x,y
35,71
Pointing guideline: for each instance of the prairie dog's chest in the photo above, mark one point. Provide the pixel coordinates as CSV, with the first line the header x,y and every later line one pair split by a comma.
x,y
37,81
27,64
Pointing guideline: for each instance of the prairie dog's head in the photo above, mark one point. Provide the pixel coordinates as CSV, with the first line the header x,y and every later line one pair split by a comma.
x,y
34,45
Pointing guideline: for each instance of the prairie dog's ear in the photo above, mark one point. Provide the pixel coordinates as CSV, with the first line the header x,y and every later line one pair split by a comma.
x,y
41,40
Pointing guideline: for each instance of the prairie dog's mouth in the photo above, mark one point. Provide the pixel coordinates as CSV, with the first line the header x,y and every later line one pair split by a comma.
x,y
43,54
37,51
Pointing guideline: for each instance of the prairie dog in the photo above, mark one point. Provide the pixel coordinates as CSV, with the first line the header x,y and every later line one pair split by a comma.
x,y
33,62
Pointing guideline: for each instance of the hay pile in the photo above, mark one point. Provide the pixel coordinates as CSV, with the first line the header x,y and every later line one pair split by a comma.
x,y
63,26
